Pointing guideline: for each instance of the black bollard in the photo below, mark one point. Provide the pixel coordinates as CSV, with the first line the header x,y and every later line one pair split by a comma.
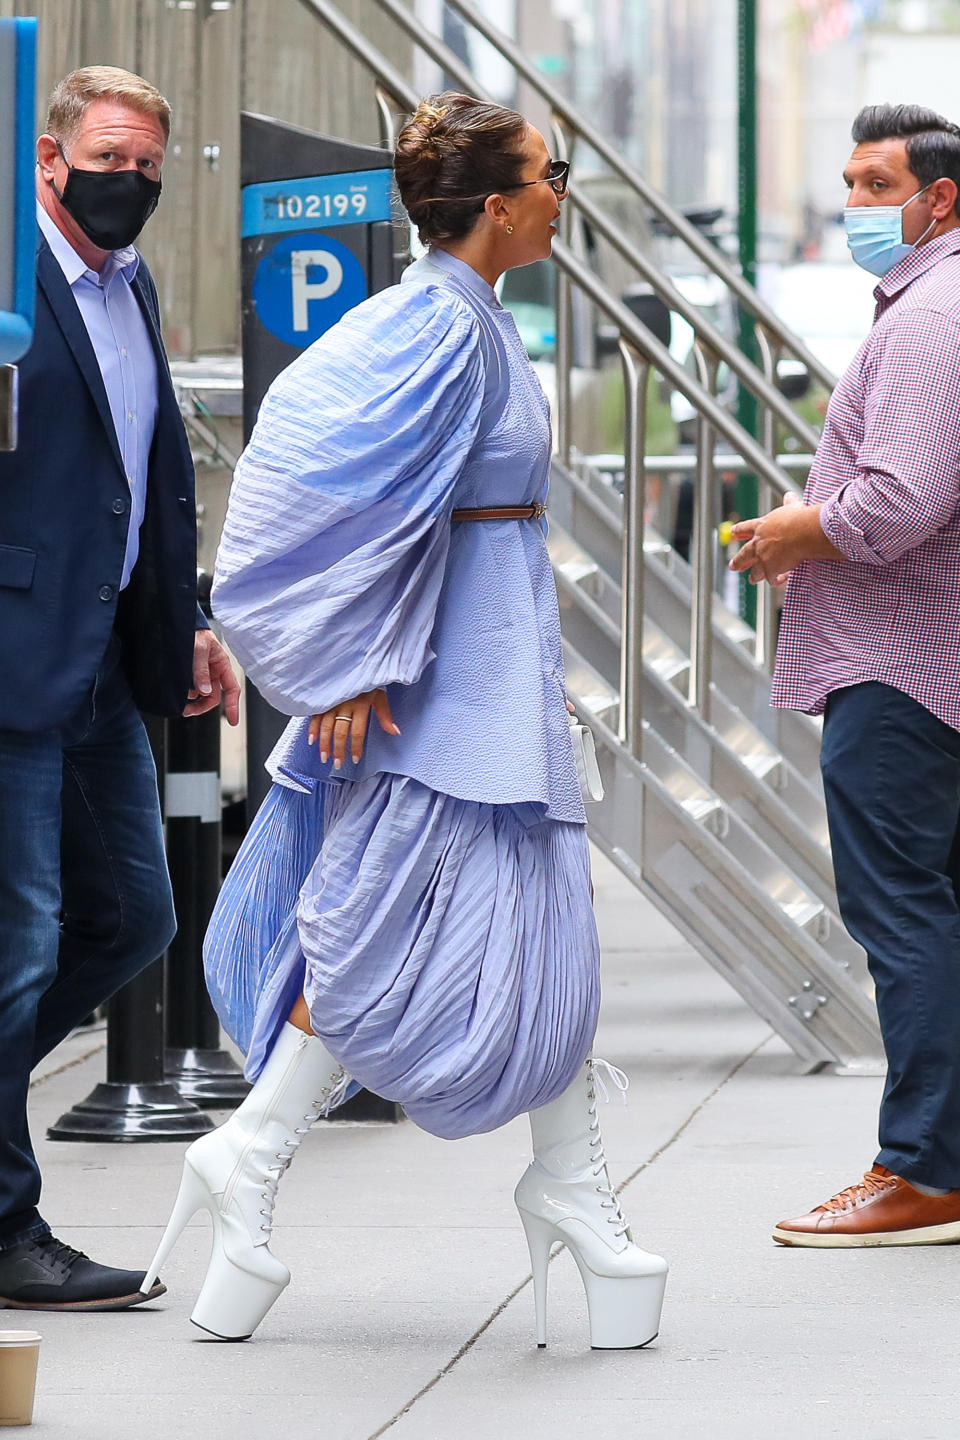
x,y
136,1102
195,1063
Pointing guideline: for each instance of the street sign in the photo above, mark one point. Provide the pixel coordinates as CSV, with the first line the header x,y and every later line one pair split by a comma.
x,y
321,200
304,284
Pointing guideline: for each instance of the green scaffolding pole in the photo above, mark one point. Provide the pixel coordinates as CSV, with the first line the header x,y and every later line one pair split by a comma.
x,y
747,491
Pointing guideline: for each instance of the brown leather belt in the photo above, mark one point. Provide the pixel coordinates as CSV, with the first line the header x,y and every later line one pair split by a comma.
x,y
501,512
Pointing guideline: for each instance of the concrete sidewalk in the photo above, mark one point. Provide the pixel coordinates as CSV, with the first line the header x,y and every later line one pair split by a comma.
x,y
411,1313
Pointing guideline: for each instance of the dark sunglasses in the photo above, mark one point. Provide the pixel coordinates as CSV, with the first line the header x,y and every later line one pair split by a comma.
x,y
556,177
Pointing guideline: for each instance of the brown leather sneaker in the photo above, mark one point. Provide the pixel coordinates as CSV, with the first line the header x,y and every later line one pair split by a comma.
x,y
881,1209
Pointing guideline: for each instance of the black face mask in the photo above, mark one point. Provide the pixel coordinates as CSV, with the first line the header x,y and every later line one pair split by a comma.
x,y
110,206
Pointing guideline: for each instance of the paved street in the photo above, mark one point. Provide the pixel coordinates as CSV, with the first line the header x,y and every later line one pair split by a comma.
x,y
411,1313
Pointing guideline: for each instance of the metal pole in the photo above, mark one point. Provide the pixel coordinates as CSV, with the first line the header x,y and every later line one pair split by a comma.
x,y
194,1061
389,120
136,1102
746,492
563,339
701,550
766,631
636,372
9,384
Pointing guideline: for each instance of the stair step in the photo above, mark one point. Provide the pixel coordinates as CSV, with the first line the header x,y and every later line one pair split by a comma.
x,y
602,704
577,569
670,667
764,764
699,806
802,912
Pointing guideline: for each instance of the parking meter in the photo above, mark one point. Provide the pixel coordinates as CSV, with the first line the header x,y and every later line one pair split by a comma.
x,y
18,224
316,239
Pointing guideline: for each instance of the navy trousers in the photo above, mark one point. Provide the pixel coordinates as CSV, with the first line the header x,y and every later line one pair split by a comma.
x,y
85,899
891,774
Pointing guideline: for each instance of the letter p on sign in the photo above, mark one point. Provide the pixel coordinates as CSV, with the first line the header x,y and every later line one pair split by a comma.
x,y
305,290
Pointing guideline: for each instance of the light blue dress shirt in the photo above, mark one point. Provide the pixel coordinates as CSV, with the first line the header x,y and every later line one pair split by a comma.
x,y
436,913
121,342
339,570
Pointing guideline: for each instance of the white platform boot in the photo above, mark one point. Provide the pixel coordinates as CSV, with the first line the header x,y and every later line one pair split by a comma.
x,y
565,1195
234,1172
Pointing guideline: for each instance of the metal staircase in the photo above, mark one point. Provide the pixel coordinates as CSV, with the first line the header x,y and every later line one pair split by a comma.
x,y
713,803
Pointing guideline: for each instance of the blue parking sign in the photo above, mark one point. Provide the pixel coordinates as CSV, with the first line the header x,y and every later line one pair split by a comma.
x,y
304,284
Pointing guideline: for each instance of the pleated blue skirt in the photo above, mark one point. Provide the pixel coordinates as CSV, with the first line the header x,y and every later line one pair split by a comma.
x,y
447,949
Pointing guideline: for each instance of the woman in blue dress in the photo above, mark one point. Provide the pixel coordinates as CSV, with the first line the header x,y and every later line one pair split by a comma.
x,y
411,909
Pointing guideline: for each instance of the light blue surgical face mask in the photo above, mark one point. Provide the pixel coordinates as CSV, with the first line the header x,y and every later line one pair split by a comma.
x,y
875,234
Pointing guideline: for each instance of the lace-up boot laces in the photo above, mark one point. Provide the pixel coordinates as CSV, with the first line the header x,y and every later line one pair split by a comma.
x,y
275,1170
598,1159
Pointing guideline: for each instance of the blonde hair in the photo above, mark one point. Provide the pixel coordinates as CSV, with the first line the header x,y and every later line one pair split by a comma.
x,y
72,97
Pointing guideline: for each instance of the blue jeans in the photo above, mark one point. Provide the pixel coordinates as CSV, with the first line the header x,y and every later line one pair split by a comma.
x,y
85,899
891,774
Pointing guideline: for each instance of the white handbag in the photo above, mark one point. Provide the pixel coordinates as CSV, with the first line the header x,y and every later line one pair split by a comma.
x,y
585,759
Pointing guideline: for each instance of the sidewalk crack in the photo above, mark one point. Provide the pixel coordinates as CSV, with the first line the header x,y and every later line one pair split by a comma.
x,y
495,1314
454,1360
697,1109
67,1065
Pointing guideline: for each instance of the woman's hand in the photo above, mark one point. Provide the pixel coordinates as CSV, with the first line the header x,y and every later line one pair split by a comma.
x,y
347,724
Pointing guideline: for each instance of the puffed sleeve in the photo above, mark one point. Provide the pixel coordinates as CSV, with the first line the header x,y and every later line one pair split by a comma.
x,y
337,529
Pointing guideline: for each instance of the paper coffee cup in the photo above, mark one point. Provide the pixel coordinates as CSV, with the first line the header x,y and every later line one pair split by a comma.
x,y
18,1375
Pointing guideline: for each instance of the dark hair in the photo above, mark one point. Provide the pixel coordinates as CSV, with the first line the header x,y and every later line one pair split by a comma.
x,y
933,143
450,156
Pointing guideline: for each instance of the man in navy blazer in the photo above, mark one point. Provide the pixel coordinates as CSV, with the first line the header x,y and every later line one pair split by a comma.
x,y
98,622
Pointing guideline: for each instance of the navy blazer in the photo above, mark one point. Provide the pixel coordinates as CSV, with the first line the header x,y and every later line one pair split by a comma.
x,y
64,513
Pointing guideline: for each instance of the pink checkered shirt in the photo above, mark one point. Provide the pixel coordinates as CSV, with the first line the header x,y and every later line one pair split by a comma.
x,y
887,472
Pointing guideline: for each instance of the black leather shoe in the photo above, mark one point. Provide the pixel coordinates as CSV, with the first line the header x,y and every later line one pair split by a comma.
x,y
45,1274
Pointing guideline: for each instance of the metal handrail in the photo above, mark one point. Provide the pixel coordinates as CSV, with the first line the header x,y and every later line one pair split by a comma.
x,y
704,329
631,329
759,384
723,460
652,349
641,351
678,222
402,93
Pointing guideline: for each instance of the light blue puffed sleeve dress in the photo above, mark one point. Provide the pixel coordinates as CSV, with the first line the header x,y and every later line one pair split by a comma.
x,y
431,902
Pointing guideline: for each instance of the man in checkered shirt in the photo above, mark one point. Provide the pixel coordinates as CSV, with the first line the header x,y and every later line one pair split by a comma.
x,y
870,637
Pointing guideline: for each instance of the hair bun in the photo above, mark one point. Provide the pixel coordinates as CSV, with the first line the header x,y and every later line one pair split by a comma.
x,y
428,115
453,152
423,134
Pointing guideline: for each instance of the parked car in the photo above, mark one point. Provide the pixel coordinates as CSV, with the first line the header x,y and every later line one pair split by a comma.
x,y
829,304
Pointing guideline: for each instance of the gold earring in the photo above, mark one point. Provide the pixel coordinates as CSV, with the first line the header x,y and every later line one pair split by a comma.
x,y
509,229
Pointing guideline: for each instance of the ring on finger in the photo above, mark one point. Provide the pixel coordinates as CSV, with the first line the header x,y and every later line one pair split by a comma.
x,y
348,718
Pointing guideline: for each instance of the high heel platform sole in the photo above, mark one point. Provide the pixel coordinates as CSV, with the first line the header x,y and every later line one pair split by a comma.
x,y
623,1311
232,1301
